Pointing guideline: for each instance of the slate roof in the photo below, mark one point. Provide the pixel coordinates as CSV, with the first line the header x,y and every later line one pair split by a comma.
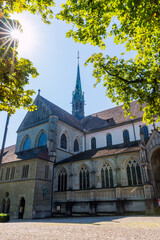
x,y
101,152
63,115
110,117
9,154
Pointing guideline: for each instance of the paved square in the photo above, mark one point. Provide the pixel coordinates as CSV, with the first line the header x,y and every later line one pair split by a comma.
x,y
112,228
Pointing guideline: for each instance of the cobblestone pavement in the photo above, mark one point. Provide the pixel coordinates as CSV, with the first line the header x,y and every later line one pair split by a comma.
x,y
82,228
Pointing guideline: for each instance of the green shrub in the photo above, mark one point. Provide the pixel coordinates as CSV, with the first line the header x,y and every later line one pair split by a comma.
x,y
4,217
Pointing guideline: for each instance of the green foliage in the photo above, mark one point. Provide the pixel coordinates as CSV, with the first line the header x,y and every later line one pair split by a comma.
x,y
130,22
4,217
42,7
14,76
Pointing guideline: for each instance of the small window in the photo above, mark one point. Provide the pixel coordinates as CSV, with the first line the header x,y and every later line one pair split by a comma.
x,y
109,139
42,140
46,172
25,171
27,144
12,173
62,181
7,173
126,138
93,143
63,141
1,174
76,146
145,132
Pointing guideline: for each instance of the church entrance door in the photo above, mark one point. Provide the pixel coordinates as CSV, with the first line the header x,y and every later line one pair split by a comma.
x,y
155,162
21,208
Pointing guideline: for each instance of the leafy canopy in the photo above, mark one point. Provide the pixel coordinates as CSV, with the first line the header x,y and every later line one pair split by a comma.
x,y
42,7
133,23
14,74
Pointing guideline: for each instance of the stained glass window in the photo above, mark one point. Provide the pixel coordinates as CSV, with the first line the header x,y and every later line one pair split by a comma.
x,y
133,173
84,180
62,180
107,176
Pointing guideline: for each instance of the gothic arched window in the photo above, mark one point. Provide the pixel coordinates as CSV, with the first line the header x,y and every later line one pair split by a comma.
x,y
63,141
133,173
145,132
62,181
42,140
76,146
93,143
84,181
109,139
106,176
27,144
126,136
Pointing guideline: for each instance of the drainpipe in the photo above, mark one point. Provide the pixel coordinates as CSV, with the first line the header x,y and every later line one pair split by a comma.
x,y
134,131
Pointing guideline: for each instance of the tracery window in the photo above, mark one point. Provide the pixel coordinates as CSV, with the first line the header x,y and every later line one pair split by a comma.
x,y
109,139
63,141
84,181
126,138
93,143
106,176
76,146
42,140
27,144
145,132
62,181
133,173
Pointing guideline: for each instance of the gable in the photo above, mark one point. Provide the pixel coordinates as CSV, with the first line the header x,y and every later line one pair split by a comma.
x,y
36,117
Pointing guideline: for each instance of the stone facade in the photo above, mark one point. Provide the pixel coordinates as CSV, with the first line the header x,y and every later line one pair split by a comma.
x,y
74,165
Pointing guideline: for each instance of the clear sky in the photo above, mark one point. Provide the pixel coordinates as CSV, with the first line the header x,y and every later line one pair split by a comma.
x,y
55,58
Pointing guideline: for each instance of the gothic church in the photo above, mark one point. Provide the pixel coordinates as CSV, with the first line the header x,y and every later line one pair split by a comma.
x,y
69,164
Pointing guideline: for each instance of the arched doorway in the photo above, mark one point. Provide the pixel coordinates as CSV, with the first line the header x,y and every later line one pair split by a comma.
x,y
21,208
155,162
8,205
3,205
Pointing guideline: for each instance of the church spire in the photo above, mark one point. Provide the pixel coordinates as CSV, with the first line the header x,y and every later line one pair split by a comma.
x,y
78,96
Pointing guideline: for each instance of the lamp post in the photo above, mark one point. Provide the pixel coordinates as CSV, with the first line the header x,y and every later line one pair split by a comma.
x,y
4,139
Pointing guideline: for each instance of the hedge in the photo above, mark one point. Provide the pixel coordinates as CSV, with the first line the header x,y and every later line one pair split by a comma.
x,y
4,217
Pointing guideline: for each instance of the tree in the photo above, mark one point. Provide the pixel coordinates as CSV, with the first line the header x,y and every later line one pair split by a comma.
x,y
130,22
43,7
14,73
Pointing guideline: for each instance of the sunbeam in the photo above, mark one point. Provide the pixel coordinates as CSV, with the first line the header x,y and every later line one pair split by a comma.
x,y
10,33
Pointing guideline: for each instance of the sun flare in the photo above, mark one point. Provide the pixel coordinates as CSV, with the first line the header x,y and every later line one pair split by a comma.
x,y
16,34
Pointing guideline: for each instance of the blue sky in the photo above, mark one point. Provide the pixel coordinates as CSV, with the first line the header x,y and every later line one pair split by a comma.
x,y
55,58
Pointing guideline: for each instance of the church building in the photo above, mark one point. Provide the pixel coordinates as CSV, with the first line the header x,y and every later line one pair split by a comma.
x,y
75,165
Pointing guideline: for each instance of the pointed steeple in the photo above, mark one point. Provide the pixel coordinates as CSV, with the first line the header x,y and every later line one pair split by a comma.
x,y
78,97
